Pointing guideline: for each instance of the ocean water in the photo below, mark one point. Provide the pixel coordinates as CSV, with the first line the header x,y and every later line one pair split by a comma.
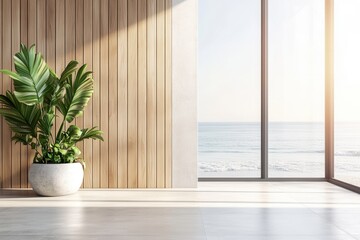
x,y
347,152
295,149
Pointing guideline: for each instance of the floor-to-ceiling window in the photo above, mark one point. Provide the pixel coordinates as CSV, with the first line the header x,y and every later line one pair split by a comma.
x,y
296,88
347,90
229,88
231,97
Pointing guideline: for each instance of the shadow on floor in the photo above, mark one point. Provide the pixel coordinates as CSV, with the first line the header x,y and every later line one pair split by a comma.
x,y
17,193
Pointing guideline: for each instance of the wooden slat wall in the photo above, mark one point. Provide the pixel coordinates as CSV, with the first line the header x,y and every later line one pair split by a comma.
x,y
7,60
24,39
31,4
15,41
127,45
1,90
122,95
88,119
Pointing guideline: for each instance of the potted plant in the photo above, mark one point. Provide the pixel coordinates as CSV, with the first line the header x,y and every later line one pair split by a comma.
x,y
30,111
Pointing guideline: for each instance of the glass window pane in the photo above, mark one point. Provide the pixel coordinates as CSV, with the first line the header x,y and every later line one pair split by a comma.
x,y
296,88
346,91
229,88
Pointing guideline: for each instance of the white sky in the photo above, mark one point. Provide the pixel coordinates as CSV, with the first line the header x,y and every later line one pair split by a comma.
x,y
229,60
347,61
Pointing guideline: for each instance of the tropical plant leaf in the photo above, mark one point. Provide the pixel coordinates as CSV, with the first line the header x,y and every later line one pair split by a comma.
x,y
68,71
57,85
55,93
78,93
73,133
25,139
21,118
30,77
92,133
45,124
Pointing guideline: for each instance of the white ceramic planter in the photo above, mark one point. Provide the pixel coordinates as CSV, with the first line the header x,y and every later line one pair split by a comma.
x,y
56,179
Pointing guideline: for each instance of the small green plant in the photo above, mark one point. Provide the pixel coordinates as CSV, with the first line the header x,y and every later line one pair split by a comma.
x,y
30,110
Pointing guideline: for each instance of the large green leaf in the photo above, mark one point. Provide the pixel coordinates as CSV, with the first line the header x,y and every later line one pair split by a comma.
x,y
68,71
57,85
21,118
30,78
78,93
92,133
45,124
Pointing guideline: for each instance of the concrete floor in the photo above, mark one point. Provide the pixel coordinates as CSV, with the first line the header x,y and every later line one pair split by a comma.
x,y
245,210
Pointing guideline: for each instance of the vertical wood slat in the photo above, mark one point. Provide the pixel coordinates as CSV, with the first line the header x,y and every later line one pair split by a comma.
x,y
70,38
7,59
50,35
88,156
41,32
160,88
104,92
79,55
96,95
1,91
31,26
122,94
168,94
40,29
51,39
70,26
23,39
132,94
31,22
60,44
40,40
142,93
151,94
113,98
127,45
15,43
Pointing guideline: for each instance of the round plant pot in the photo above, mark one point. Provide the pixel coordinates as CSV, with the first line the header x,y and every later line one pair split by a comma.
x,y
56,179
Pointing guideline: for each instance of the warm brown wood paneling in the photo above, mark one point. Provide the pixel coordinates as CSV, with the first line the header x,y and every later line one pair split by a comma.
x,y
40,31
104,92
31,40
41,27
127,45
59,42
79,54
132,93
151,94
122,94
112,96
160,93
7,60
24,39
50,36
142,93
1,90
96,95
15,42
88,149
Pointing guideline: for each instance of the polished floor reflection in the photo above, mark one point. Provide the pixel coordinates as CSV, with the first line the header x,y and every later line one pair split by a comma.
x,y
246,210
